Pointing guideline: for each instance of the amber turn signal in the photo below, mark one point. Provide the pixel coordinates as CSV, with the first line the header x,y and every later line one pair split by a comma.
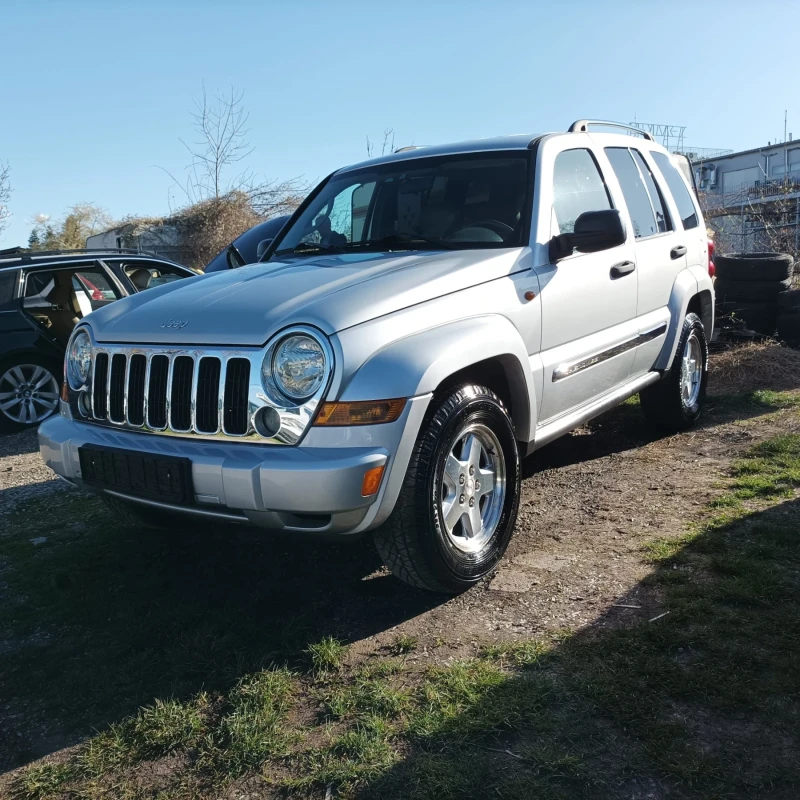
x,y
372,481
365,412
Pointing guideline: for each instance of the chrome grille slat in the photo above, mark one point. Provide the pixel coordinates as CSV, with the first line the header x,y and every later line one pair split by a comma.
x,y
117,376
180,394
136,395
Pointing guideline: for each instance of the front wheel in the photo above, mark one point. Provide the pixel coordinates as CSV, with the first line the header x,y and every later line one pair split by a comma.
x,y
458,505
675,402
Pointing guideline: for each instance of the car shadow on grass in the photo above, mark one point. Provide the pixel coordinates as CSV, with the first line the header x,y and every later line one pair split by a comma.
x,y
689,687
97,620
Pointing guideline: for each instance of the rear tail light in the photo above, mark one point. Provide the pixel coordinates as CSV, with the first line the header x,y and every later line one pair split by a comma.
x,y
712,270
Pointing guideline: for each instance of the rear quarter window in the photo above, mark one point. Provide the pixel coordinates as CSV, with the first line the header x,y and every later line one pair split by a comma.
x,y
8,285
679,190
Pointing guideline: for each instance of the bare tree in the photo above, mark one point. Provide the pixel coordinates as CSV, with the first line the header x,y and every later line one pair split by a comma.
x,y
386,147
5,195
220,123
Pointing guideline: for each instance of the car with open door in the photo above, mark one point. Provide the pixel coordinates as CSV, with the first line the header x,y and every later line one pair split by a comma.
x,y
43,296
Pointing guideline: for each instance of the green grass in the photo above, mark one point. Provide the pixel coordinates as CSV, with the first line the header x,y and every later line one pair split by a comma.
x,y
327,655
702,702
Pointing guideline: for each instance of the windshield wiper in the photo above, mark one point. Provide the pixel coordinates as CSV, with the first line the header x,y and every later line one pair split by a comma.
x,y
309,247
400,239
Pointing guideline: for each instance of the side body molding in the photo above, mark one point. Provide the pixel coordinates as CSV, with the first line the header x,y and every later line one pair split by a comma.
x,y
419,363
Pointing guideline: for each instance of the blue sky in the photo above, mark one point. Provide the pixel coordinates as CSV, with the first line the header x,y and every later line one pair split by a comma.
x,y
95,95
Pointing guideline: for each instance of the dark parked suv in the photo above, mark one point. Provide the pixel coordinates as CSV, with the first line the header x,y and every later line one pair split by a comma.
x,y
43,295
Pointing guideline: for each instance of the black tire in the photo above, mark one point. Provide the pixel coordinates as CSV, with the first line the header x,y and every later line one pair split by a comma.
x,y
789,329
750,291
7,423
789,301
754,267
663,403
413,542
758,317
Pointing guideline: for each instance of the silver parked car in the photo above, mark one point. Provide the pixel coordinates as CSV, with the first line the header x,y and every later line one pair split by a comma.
x,y
424,321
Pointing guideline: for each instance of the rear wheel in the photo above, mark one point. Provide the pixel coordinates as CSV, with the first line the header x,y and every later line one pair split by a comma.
x,y
458,506
675,402
29,391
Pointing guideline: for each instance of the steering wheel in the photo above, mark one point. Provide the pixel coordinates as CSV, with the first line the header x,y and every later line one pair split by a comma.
x,y
494,225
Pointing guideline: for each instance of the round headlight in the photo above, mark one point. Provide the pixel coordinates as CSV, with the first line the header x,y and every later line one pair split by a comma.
x,y
297,367
79,360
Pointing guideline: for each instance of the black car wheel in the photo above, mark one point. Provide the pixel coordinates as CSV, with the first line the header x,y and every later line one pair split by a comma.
x,y
458,506
29,391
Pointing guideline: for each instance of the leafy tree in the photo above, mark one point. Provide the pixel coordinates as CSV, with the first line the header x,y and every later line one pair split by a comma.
x,y
81,221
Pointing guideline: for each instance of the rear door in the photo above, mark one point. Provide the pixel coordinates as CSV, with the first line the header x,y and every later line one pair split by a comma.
x,y
588,299
660,248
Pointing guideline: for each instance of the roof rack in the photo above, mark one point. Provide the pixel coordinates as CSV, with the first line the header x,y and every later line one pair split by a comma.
x,y
22,255
582,126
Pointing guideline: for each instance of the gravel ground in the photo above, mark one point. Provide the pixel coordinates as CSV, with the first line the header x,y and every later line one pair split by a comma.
x,y
23,474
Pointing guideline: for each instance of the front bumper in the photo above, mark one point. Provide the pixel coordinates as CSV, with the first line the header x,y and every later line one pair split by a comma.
x,y
314,488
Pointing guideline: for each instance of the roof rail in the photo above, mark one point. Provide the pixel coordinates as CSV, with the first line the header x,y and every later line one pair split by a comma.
x,y
408,147
24,255
582,126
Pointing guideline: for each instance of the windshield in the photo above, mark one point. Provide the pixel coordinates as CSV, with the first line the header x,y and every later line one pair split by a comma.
x,y
472,201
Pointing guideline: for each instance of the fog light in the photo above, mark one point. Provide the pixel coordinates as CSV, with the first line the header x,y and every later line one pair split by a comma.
x,y
372,481
267,422
84,405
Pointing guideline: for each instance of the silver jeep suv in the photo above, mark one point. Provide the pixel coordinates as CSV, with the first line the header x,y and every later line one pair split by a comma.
x,y
423,322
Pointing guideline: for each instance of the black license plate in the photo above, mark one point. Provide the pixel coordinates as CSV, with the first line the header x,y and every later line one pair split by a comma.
x,y
154,477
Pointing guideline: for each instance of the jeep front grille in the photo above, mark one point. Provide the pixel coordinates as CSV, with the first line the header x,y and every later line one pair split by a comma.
x,y
183,393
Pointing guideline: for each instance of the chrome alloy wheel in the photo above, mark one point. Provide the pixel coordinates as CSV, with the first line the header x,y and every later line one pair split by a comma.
x,y
691,371
28,394
472,488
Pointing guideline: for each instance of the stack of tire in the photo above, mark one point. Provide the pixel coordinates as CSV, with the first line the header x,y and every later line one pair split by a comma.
x,y
755,288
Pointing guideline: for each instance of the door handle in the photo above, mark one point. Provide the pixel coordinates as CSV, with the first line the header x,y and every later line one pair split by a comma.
x,y
677,252
622,269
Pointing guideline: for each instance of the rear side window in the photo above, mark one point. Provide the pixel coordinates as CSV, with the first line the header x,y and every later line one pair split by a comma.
x,y
8,283
656,198
634,191
578,186
683,199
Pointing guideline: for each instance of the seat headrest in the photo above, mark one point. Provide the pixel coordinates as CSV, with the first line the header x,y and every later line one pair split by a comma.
x,y
140,278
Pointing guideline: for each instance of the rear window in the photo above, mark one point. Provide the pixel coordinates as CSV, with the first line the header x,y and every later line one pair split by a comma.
x,y
8,282
679,190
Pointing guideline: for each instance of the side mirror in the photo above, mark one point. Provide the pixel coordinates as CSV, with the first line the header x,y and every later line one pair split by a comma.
x,y
233,257
594,231
262,247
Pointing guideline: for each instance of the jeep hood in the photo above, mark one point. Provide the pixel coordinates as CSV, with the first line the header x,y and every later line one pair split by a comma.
x,y
247,306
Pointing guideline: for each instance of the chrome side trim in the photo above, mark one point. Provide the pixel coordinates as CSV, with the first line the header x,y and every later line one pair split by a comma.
x,y
578,365
579,416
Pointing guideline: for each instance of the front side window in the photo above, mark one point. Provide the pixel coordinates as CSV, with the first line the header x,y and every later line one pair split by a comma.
x,y
680,192
578,187
465,201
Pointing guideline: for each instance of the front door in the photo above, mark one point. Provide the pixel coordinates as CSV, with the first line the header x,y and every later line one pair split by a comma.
x,y
588,299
